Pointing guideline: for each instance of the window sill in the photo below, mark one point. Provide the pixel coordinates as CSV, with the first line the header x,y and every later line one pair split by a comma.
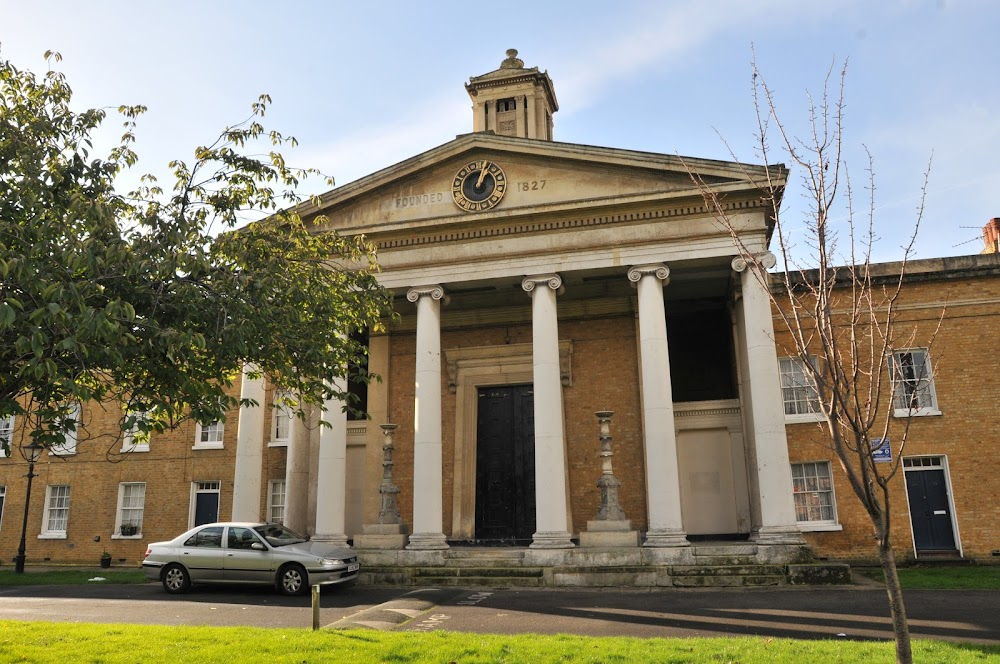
x,y
805,418
278,443
137,448
61,454
208,446
52,536
920,412
809,527
127,537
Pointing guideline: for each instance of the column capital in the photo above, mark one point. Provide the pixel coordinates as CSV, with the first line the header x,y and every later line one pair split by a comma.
x,y
658,270
434,291
765,259
553,281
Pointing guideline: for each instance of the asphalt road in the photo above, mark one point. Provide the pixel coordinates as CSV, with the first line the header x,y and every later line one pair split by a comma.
x,y
851,612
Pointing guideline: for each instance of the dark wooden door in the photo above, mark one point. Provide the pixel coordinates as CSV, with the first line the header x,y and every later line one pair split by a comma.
x,y
505,465
930,511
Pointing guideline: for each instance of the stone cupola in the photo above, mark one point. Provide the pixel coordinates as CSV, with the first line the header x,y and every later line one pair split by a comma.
x,y
513,100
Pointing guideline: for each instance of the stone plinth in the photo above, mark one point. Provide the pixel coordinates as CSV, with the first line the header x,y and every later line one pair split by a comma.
x,y
602,533
382,536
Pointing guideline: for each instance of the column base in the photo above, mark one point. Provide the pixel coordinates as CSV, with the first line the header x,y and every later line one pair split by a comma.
x,y
666,537
427,542
777,535
337,539
552,540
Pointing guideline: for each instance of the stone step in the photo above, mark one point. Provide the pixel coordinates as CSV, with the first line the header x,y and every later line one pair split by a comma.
x,y
724,550
727,570
483,581
724,561
480,554
484,558
461,572
727,581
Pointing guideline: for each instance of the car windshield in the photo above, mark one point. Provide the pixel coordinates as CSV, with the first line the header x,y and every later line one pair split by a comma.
x,y
278,535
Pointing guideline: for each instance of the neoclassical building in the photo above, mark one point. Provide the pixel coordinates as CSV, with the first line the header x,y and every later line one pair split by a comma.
x,y
584,375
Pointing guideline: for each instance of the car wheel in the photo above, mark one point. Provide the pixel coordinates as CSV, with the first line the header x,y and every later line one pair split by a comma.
x,y
292,580
176,579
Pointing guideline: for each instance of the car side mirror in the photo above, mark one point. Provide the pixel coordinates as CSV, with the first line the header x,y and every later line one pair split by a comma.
x,y
257,546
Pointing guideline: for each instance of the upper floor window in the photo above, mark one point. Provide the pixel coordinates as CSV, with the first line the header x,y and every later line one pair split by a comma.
x,y
506,105
798,391
281,420
68,444
3,494
209,436
135,439
6,436
912,383
56,516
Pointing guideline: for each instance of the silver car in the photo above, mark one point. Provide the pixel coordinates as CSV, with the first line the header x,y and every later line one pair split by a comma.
x,y
264,553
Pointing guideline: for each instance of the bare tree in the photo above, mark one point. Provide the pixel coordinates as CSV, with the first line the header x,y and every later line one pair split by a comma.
x,y
840,311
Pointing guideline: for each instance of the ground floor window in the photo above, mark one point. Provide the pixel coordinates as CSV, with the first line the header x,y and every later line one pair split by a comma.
x,y
7,436
131,503
276,501
3,494
812,485
56,515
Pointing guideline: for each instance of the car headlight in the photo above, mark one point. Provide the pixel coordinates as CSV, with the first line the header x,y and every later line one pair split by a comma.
x,y
330,561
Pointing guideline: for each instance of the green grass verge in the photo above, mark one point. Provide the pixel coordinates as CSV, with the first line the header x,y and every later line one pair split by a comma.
x,y
944,578
70,577
81,642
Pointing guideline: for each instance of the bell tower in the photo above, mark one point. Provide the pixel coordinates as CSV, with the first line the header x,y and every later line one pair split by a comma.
x,y
513,100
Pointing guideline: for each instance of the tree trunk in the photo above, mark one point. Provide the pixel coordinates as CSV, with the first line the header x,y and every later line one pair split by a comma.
x,y
897,610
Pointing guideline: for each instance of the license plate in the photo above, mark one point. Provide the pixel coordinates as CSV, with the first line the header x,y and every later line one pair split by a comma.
x,y
354,568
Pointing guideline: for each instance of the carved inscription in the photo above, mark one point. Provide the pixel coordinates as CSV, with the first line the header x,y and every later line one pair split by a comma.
x,y
532,185
419,199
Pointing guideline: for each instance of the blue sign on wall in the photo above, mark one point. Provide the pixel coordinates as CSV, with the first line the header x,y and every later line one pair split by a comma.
x,y
881,450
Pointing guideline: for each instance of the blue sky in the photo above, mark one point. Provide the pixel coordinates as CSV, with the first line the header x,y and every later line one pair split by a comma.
x,y
365,85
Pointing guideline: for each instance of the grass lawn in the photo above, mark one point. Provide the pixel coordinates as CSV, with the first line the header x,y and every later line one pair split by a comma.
x,y
64,642
70,577
945,578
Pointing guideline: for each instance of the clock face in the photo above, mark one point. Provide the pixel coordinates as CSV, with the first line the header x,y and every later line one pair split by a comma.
x,y
479,185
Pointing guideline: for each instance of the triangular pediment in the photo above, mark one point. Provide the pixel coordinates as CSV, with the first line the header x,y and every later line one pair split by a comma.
x,y
541,177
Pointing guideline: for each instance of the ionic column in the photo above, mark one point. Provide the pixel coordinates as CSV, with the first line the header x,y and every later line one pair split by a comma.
x,y
331,472
297,475
766,415
249,449
551,511
663,493
428,531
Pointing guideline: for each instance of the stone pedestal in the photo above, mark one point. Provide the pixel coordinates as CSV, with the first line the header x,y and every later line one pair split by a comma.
x,y
610,528
609,534
390,532
382,536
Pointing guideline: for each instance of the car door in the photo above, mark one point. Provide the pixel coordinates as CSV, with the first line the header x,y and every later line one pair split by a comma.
x,y
244,563
202,554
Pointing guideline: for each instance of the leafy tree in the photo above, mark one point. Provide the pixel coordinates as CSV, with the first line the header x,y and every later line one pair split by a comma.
x,y
839,311
155,300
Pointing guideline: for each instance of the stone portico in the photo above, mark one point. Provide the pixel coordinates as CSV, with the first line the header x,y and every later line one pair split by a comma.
x,y
537,283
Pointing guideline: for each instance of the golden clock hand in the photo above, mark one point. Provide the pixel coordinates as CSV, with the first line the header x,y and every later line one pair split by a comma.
x,y
482,176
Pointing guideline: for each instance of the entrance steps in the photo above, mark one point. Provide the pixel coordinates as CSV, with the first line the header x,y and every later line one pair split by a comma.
x,y
708,565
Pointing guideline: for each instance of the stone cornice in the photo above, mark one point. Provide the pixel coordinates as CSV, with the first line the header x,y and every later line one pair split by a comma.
x,y
520,226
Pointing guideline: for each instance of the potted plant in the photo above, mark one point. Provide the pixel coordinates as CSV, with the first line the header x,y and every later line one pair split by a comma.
x,y
128,530
105,560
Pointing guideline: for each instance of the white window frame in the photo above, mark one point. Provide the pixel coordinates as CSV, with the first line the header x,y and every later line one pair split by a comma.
x,y
47,514
3,501
817,525
120,511
68,446
280,411
129,437
789,367
924,383
273,504
210,444
7,431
